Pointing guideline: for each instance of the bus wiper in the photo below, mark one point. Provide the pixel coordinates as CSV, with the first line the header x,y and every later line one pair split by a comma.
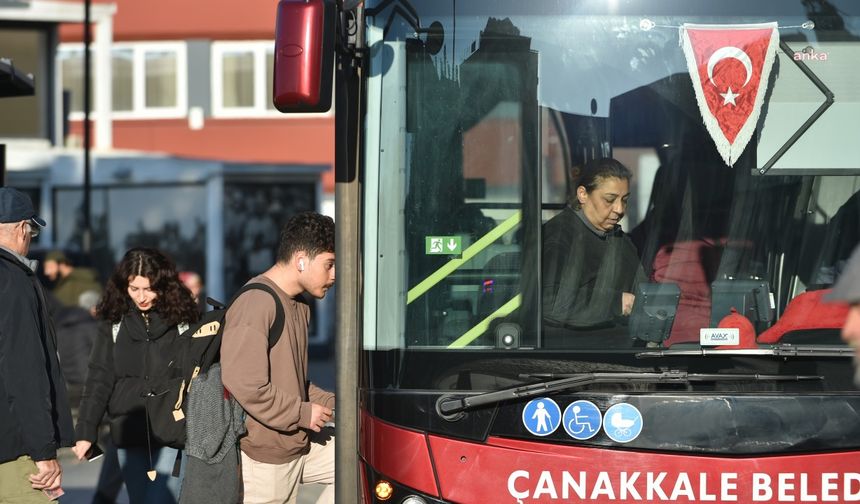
x,y
781,350
448,406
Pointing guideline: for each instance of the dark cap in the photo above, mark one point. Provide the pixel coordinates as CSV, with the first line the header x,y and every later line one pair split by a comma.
x,y
847,288
16,206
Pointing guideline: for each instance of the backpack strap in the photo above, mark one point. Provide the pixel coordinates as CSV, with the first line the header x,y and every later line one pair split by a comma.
x,y
278,324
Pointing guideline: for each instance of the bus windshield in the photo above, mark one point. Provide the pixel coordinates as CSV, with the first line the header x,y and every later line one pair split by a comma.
x,y
482,234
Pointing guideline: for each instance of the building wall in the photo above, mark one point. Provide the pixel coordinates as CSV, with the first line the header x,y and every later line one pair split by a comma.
x,y
199,23
184,19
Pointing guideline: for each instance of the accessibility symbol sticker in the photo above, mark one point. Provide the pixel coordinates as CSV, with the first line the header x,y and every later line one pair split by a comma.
x,y
623,423
581,420
541,416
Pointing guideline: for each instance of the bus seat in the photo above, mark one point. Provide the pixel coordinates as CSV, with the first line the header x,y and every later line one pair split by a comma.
x,y
690,264
807,312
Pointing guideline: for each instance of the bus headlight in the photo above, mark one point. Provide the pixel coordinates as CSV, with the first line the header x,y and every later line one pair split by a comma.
x,y
413,499
383,490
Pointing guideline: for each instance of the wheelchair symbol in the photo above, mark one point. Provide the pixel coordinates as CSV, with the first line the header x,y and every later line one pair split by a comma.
x,y
580,423
582,420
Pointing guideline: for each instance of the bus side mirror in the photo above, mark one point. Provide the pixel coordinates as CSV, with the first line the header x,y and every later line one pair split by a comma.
x,y
304,55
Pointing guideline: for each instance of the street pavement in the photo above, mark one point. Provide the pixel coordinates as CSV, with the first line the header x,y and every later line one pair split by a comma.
x,y
80,478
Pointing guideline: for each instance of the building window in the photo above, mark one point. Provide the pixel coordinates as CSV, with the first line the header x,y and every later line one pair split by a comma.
x,y
149,79
27,116
241,78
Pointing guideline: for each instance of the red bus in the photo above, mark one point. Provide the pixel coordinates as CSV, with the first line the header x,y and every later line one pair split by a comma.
x,y
485,352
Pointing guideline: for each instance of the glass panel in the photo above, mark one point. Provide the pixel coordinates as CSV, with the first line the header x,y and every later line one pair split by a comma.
x,y
270,67
161,79
27,49
72,62
123,80
237,76
253,214
126,217
488,228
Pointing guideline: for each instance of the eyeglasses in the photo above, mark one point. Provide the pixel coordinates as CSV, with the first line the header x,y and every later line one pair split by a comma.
x,y
34,230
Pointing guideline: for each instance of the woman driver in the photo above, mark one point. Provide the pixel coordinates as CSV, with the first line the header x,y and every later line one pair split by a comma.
x,y
590,267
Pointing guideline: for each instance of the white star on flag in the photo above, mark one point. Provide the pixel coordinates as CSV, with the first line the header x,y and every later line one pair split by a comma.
x,y
729,97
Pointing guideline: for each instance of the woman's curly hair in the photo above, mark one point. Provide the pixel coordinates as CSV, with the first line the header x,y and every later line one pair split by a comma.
x,y
174,302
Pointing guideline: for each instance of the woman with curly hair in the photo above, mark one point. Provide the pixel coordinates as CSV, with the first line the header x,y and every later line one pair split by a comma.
x,y
143,305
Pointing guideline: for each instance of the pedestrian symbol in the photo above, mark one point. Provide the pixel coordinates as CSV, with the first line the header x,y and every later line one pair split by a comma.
x,y
541,416
436,245
581,420
623,423
443,245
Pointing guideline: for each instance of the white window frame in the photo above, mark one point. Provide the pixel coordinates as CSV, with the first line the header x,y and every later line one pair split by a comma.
x,y
259,48
139,109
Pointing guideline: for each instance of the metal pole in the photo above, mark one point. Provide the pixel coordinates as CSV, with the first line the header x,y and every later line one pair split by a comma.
x,y
2,165
87,236
348,212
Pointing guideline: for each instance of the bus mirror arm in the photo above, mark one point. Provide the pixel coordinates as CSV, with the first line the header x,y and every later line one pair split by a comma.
x,y
452,407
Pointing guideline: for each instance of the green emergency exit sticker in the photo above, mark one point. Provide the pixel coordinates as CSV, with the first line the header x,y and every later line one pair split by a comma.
x,y
442,245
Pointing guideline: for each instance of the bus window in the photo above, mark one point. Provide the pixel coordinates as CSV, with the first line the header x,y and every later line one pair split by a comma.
x,y
477,147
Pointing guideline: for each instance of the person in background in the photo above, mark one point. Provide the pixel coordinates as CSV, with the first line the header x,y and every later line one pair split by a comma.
x,y
847,290
76,331
283,407
195,284
145,301
35,418
69,281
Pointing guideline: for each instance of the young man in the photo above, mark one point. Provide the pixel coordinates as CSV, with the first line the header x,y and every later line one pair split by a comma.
x,y
35,418
283,408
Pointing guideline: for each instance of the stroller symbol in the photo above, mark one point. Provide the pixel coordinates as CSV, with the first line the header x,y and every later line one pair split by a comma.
x,y
623,423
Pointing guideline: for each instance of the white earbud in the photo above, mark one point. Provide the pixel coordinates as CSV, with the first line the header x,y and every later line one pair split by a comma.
x,y
301,265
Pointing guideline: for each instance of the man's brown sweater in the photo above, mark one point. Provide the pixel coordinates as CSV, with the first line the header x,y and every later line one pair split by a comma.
x,y
278,408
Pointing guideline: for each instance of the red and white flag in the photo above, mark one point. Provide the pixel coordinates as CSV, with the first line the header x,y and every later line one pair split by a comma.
x,y
730,66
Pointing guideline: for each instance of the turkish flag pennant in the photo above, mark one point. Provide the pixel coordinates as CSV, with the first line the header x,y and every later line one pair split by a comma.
x,y
730,66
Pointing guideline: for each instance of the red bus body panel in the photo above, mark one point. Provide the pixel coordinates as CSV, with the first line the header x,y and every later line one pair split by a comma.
x,y
400,454
507,470
517,471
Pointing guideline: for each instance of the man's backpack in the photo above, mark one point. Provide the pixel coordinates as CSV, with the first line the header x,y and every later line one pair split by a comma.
x,y
196,349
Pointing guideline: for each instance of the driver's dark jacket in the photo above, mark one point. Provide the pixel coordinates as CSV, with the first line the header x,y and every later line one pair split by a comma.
x,y
35,418
121,374
585,272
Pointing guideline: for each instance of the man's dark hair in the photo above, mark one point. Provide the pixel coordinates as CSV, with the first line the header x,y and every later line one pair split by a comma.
x,y
308,231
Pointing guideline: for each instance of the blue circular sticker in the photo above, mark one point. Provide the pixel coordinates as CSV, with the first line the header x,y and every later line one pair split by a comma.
x,y
622,423
541,416
581,420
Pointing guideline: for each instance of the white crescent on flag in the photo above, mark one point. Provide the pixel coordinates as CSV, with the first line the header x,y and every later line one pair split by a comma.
x,y
730,66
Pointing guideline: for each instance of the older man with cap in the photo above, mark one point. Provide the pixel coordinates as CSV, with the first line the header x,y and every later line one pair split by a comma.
x,y
35,419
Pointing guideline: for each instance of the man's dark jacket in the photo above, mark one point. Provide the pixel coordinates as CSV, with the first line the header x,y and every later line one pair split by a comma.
x,y
35,418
